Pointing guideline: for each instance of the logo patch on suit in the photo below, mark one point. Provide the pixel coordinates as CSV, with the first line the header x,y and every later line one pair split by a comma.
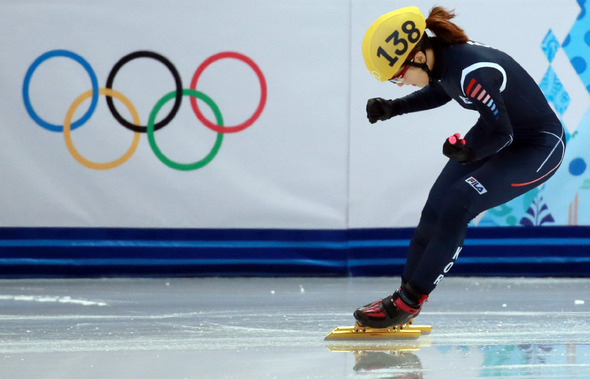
x,y
476,185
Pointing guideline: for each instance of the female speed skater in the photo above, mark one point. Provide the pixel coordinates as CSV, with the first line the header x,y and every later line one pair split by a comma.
x,y
516,144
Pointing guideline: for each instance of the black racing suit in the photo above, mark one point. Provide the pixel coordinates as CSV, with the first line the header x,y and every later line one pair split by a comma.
x,y
518,143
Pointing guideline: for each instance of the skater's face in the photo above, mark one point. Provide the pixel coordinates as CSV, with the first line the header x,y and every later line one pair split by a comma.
x,y
410,75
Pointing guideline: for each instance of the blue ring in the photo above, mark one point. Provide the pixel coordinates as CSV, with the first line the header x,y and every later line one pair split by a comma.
x,y
27,82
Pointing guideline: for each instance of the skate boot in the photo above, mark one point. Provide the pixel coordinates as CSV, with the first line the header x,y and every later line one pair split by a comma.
x,y
388,312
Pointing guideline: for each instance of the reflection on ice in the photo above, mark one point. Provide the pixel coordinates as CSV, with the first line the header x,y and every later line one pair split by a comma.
x,y
500,361
405,361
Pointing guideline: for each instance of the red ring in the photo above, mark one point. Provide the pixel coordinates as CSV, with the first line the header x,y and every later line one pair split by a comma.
x,y
248,122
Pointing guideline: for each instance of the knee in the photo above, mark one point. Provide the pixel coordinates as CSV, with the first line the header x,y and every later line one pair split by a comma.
x,y
429,213
457,205
453,201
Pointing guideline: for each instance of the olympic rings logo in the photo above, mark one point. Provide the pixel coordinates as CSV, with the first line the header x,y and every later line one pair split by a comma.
x,y
151,126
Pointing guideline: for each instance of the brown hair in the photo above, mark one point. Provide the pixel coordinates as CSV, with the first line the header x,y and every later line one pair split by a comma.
x,y
439,24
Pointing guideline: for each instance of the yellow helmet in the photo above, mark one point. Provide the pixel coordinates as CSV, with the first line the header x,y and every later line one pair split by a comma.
x,y
390,39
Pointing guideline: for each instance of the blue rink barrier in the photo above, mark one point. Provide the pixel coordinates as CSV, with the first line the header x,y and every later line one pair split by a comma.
x,y
79,252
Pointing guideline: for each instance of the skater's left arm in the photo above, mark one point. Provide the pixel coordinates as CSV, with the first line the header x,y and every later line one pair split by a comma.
x,y
493,130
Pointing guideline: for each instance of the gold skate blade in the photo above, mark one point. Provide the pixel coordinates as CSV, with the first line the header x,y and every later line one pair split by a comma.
x,y
362,332
425,329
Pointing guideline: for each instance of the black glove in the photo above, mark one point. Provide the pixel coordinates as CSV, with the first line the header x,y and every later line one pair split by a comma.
x,y
454,148
381,109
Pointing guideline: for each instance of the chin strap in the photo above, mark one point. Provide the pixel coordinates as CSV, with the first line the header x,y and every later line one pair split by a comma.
x,y
423,66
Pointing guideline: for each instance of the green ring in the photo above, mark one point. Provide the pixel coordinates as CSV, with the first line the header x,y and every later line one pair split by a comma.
x,y
150,131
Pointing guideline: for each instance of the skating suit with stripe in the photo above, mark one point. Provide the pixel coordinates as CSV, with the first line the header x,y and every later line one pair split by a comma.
x,y
518,143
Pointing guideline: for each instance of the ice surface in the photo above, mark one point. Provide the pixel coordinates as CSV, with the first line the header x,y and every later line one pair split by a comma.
x,y
275,328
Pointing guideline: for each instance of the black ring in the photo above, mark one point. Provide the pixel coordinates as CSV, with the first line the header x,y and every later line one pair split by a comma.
x,y
177,99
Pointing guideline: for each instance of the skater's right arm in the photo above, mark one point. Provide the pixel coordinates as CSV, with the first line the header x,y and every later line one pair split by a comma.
x,y
429,97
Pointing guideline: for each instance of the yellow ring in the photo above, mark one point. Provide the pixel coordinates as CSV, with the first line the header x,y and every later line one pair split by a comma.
x,y
68,137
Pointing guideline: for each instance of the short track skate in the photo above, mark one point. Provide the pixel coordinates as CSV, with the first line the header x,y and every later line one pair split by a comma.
x,y
362,332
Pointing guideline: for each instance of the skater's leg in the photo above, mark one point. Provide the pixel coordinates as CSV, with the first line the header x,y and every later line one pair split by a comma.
x,y
503,180
458,208
450,174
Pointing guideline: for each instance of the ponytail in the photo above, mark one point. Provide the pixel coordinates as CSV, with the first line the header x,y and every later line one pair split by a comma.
x,y
439,24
